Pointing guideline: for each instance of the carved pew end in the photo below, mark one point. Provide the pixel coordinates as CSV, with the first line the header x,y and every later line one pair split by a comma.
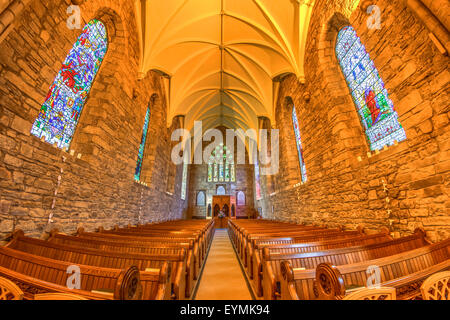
x,y
128,285
329,283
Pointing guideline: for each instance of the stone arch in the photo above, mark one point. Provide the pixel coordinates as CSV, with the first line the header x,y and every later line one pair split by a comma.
x,y
241,198
289,161
221,190
151,145
91,136
201,199
346,130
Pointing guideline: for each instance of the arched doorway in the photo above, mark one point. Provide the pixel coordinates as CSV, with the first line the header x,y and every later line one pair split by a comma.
x,y
226,210
233,210
208,214
216,210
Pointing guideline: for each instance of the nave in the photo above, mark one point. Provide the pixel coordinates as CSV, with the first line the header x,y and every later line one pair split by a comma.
x,y
180,260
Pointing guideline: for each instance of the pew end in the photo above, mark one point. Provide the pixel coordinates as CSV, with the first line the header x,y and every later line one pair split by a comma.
x,y
128,286
329,282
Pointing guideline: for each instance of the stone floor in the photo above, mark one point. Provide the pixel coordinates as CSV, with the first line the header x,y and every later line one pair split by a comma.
x,y
222,277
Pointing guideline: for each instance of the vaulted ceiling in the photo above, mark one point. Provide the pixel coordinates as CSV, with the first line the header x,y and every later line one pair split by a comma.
x,y
221,56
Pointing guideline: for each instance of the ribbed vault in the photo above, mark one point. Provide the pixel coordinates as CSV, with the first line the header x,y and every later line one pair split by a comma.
x,y
221,56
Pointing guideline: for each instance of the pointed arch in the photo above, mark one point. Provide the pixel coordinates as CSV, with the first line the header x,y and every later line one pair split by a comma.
x,y
201,199
240,198
59,114
376,111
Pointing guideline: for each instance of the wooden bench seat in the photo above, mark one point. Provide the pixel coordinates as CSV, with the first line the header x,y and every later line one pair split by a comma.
x,y
255,270
129,238
133,247
198,239
272,261
309,236
34,274
109,259
305,245
404,271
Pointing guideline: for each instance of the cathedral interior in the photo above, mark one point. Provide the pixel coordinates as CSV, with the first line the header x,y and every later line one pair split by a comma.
x,y
224,149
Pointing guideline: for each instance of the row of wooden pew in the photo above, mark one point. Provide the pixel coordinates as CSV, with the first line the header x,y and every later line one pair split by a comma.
x,y
286,261
151,262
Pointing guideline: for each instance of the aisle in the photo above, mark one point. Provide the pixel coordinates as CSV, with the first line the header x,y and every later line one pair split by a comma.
x,y
222,277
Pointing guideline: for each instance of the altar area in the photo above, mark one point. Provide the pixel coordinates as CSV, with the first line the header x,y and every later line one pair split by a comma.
x,y
224,208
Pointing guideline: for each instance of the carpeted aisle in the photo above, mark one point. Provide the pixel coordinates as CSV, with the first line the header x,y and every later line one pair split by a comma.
x,y
222,277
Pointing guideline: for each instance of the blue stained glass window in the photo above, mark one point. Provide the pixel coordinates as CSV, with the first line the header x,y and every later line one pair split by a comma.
x,y
375,109
59,115
298,141
137,174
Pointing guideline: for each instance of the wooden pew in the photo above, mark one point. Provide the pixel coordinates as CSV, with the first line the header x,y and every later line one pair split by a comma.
x,y
162,235
154,241
303,236
134,247
109,259
403,271
272,261
9,290
34,274
256,268
206,228
310,244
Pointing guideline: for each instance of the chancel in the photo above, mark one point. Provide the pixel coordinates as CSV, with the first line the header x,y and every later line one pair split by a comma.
x,y
224,150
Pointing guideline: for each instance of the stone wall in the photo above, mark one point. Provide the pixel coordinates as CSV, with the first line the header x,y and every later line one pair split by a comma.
x,y
403,187
38,180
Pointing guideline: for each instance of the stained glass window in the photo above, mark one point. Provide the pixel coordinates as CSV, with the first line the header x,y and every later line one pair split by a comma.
x,y
224,171
233,172
241,198
376,110
257,182
183,182
220,172
62,108
298,141
221,190
201,199
137,174
210,172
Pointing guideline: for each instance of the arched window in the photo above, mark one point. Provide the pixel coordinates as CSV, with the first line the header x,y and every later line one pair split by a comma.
x,y
220,190
240,198
62,108
201,199
298,141
137,174
375,109
221,171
